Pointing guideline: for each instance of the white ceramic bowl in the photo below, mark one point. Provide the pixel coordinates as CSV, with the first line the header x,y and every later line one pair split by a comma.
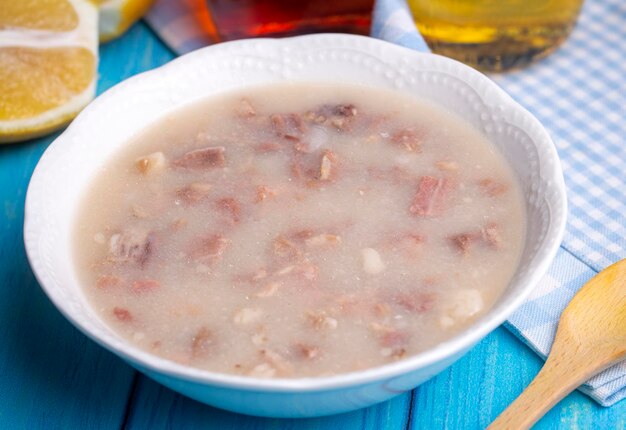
x,y
69,164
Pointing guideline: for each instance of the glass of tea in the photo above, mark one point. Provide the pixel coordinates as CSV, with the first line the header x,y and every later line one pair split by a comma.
x,y
238,19
495,35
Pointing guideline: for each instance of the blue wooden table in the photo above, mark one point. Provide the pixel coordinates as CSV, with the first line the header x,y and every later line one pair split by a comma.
x,y
51,376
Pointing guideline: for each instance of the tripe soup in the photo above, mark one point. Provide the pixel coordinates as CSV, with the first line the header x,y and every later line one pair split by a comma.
x,y
299,230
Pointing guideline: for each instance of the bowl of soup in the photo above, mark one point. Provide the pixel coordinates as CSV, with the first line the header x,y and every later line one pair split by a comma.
x,y
296,227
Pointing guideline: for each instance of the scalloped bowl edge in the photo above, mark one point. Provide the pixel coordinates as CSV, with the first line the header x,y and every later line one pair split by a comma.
x,y
258,61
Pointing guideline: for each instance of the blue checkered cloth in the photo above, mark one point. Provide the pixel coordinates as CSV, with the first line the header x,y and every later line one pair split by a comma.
x,y
579,94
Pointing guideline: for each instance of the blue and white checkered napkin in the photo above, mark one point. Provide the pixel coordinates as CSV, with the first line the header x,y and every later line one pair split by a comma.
x,y
579,94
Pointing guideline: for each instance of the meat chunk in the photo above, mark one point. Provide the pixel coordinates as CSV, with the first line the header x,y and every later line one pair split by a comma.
x,y
431,196
406,138
382,309
301,146
491,235
152,163
409,245
299,170
314,168
209,248
323,240
132,245
204,158
416,302
106,282
301,235
308,352
394,343
488,235
201,342
450,166
394,337
289,250
339,116
316,117
229,207
320,320
288,126
179,224
412,239
145,285
463,241
344,111
122,314
265,147
193,193
492,188
264,192
285,250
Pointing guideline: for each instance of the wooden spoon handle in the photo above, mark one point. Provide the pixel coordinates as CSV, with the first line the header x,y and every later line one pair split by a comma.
x,y
545,391
561,374
590,337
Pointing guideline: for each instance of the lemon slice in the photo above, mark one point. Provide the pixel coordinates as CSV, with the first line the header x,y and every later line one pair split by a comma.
x,y
117,15
48,61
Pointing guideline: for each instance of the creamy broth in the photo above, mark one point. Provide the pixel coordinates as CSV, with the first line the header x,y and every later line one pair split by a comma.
x,y
299,230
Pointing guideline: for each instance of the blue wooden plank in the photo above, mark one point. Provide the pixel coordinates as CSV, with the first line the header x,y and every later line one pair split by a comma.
x,y
156,407
471,393
137,51
52,376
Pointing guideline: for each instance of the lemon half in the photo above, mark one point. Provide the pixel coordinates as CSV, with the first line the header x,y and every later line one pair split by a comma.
x,y
48,64
117,15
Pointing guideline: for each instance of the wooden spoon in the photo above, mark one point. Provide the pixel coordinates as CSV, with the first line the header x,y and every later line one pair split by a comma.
x,y
591,337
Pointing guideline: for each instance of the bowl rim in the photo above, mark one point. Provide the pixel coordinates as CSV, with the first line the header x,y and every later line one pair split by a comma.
x,y
459,343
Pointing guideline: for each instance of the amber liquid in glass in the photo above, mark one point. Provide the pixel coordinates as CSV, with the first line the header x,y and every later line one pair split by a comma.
x,y
495,35
238,19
